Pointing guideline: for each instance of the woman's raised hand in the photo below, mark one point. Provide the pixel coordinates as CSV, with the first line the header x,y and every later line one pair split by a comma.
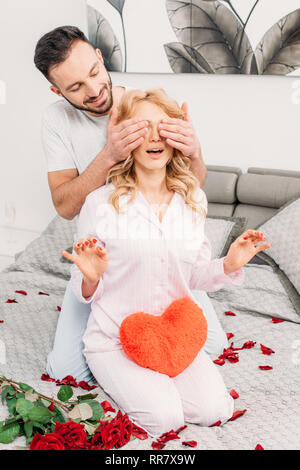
x,y
243,249
91,259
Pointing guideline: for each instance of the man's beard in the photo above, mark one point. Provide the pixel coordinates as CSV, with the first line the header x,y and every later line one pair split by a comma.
x,y
109,101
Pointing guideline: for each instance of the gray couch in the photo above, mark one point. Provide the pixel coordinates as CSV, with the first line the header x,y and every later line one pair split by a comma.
x,y
256,195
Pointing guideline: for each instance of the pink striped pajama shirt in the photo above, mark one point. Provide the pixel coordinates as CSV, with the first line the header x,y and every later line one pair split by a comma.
x,y
151,264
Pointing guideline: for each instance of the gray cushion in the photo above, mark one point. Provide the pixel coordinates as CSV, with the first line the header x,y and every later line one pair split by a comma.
x,y
256,215
224,169
273,171
222,231
221,187
214,208
283,231
267,190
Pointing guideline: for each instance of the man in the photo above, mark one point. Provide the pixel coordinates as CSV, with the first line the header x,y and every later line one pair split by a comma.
x,y
81,144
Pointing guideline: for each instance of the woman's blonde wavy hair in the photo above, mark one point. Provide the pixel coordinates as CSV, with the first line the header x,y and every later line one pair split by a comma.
x,y
179,177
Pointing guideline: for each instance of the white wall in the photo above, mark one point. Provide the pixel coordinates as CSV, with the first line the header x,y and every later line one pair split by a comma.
x,y
242,121
23,178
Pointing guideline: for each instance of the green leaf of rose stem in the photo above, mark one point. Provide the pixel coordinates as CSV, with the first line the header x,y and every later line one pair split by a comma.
x,y
26,415
9,422
11,405
59,415
25,387
65,393
88,396
40,414
38,425
9,433
98,412
28,428
7,390
23,407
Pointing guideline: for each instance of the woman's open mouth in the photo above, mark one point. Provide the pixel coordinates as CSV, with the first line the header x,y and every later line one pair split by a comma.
x,y
155,153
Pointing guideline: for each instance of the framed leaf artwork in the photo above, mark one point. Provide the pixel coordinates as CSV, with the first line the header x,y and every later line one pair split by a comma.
x,y
251,37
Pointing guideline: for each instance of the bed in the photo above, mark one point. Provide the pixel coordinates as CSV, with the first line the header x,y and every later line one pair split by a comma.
x,y
261,198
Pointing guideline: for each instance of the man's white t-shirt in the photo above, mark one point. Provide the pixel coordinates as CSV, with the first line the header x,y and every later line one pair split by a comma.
x,y
71,137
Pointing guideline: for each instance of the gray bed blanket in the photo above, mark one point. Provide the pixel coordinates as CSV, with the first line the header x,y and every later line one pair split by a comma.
x,y
271,397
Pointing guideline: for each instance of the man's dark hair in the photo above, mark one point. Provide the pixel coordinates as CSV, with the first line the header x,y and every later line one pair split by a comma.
x,y
54,47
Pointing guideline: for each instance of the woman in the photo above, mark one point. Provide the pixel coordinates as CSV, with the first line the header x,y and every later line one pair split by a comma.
x,y
144,233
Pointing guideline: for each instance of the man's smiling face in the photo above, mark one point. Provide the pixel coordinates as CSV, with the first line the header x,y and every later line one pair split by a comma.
x,y
83,80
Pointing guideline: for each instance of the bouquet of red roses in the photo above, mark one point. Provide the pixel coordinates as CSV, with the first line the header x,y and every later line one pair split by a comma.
x,y
62,423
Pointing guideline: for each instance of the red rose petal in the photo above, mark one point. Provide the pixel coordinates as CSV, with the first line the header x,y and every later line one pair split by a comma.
x,y
248,345
233,357
276,320
219,362
229,336
51,407
73,434
47,378
49,441
59,308
230,313
138,432
107,406
23,292
68,380
265,367
234,394
259,447
86,386
231,349
11,301
1,321
230,354
181,429
43,293
157,445
217,423
266,351
237,414
190,443
168,436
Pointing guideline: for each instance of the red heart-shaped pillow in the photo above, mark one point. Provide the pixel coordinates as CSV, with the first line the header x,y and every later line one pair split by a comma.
x,y
167,343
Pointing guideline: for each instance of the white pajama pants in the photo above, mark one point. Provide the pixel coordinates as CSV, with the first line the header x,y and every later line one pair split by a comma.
x,y
152,400
158,403
66,357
